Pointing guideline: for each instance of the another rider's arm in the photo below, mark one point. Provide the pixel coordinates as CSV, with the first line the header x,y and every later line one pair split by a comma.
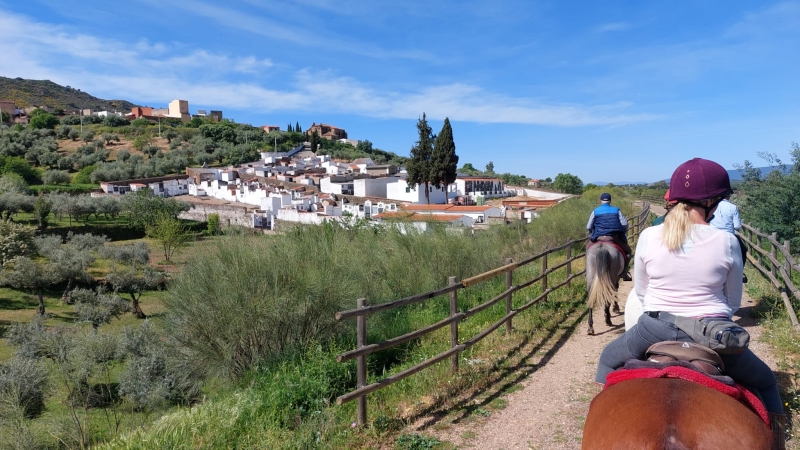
x,y
623,221
590,223
737,220
733,284
640,278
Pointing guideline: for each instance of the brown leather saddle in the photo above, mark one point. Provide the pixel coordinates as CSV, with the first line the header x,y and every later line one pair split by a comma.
x,y
698,356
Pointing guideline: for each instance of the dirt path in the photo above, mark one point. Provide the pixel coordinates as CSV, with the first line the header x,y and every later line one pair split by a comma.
x,y
550,409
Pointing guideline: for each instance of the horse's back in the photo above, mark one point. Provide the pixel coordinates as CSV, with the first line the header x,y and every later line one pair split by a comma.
x,y
671,414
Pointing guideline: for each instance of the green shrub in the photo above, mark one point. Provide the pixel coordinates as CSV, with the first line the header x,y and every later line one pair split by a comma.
x,y
22,168
84,176
68,188
213,224
281,293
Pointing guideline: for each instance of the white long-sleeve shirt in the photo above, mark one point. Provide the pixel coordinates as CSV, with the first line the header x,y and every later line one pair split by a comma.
x,y
703,278
726,217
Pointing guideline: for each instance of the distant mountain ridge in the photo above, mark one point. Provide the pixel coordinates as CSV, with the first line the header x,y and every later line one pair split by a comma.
x,y
734,175
26,93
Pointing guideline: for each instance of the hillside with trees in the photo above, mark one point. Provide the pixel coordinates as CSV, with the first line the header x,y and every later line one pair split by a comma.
x,y
46,93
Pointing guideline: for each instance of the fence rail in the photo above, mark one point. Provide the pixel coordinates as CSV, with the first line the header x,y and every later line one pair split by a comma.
x,y
636,224
766,261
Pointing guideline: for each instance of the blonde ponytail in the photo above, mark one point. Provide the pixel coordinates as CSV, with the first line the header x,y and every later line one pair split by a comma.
x,y
677,226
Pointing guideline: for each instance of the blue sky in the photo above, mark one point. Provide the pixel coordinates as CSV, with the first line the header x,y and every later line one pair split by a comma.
x,y
612,91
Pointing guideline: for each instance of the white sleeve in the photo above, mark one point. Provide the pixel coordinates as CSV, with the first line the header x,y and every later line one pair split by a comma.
x,y
733,285
640,278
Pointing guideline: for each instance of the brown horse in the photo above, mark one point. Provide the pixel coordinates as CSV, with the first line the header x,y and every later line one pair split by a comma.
x,y
604,264
671,414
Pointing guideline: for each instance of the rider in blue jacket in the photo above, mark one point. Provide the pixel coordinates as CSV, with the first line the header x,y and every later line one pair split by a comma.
x,y
607,220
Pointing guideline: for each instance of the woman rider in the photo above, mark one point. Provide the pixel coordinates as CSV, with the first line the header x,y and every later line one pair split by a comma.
x,y
688,268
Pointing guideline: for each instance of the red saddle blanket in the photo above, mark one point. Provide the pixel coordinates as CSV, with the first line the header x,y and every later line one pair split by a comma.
x,y
736,391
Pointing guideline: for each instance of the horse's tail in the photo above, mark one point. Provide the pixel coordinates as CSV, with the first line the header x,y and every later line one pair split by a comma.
x,y
602,292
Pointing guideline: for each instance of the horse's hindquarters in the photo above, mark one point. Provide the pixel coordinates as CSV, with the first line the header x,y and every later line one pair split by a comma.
x,y
666,413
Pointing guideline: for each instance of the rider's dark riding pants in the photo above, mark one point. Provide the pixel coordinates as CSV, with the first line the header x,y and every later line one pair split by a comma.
x,y
745,368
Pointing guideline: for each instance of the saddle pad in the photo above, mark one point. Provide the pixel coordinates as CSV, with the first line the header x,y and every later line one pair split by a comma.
x,y
736,391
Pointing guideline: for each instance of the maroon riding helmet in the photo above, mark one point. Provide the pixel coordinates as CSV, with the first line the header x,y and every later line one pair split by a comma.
x,y
698,179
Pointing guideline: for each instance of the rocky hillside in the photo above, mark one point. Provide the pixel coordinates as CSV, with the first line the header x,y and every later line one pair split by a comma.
x,y
46,93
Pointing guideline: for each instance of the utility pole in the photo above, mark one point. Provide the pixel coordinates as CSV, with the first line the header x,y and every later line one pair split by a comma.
x,y
80,114
159,126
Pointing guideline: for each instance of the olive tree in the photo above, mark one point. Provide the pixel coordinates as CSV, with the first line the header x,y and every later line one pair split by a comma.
x,y
56,177
32,275
131,272
15,240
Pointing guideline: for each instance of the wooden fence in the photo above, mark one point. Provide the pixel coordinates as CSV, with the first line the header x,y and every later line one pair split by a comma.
x,y
636,224
766,260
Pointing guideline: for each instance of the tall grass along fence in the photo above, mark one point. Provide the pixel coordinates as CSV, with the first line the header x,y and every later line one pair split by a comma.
x,y
773,260
546,273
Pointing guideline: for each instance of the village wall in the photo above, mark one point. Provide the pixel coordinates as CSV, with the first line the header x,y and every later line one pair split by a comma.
x,y
228,214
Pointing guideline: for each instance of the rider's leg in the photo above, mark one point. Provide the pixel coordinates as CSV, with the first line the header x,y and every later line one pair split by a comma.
x,y
748,369
633,344
622,241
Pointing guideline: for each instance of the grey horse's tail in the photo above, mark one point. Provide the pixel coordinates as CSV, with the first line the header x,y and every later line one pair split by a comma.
x,y
602,292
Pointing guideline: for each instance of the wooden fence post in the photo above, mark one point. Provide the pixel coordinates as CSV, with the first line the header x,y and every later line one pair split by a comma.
x,y
453,327
509,281
786,263
774,253
569,265
544,276
361,366
757,243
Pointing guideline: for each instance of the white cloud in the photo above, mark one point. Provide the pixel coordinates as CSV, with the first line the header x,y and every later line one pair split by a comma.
x,y
615,26
114,69
62,48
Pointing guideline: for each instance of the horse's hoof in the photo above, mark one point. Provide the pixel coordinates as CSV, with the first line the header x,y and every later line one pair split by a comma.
x,y
609,323
591,331
616,309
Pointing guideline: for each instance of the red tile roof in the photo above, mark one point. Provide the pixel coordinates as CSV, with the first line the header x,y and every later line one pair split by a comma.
x,y
458,208
418,207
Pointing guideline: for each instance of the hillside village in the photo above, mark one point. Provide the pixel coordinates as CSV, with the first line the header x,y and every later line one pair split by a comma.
x,y
306,188
303,187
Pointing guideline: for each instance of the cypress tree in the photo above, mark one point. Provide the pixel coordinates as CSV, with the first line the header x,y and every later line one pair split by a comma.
x,y
289,127
444,160
419,163
314,142
297,128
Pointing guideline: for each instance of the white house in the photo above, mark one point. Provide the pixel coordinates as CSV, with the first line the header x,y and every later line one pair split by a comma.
x,y
407,222
368,209
372,187
482,187
168,186
401,191
477,214
340,185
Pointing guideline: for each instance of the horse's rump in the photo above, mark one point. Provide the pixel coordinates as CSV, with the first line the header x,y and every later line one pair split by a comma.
x,y
669,413
604,262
